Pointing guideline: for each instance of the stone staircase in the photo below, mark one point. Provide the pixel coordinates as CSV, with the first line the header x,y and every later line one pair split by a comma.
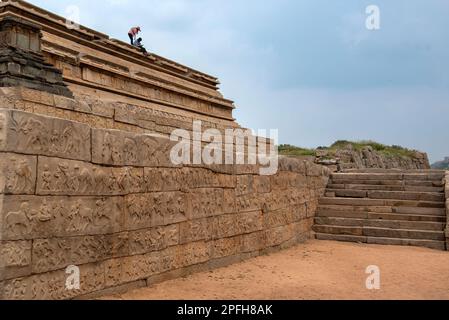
x,y
388,207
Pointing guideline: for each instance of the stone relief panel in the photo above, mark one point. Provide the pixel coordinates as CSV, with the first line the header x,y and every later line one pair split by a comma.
x,y
58,253
226,247
31,217
192,254
119,148
249,202
4,116
66,177
206,202
262,184
32,134
155,239
52,285
279,218
185,179
245,185
279,235
143,266
254,241
231,225
196,230
148,118
155,209
17,173
15,259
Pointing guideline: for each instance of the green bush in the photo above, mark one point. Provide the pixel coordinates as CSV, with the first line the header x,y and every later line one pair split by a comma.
x,y
289,150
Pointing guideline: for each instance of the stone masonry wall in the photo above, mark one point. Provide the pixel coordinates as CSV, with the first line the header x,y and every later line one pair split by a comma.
x,y
109,201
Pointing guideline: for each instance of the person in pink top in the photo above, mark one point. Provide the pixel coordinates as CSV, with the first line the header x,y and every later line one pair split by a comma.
x,y
133,34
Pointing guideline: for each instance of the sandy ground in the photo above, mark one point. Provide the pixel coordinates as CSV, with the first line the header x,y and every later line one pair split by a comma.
x,y
316,270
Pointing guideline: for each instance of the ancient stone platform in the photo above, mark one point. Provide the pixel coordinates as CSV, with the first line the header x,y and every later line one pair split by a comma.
x,y
86,178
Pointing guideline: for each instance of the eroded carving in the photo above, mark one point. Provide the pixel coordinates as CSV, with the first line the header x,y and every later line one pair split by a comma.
x,y
48,136
19,173
78,178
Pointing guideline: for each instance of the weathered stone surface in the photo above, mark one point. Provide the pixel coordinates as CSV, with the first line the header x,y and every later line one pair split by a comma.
x,y
32,134
22,63
196,230
67,177
231,225
349,158
89,181
15,259
32,217
119,148
154,239
155,209
226,247
17,173
206,203
52,285
58,253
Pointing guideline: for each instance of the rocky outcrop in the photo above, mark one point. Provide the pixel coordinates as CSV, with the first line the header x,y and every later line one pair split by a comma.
x,y
367,157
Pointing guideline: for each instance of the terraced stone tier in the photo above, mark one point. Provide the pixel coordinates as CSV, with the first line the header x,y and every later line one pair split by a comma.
x,y
390,207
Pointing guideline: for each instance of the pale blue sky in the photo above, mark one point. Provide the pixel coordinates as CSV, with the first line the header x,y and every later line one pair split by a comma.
x,y
307,67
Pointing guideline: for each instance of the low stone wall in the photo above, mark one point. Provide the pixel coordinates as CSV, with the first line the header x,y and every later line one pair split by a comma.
x,y
112,204
446,191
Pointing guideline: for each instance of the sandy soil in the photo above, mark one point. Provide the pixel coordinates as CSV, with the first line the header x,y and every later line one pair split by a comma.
x,y
316,270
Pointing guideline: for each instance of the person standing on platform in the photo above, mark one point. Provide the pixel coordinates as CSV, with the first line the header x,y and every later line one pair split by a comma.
x,y
133,34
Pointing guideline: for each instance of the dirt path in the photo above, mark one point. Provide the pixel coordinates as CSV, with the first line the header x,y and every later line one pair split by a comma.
x,y
317,270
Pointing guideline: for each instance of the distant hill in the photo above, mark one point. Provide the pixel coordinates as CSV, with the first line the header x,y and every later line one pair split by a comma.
x,y
441,164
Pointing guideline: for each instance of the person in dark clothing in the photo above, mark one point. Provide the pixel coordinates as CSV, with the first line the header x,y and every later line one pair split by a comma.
x,y
138,44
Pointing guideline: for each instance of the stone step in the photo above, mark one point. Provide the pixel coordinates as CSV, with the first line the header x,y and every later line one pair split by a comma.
x,y
386,171
432,244
389,176
340,237
381,223
385,209
424,183
381,232
367,176
404,234
385,187
379,202
397,183
380,216
340,230
407,217
396,195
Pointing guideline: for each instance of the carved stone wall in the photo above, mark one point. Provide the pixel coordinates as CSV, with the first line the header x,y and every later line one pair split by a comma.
x,y
91,63
110,202
86,179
